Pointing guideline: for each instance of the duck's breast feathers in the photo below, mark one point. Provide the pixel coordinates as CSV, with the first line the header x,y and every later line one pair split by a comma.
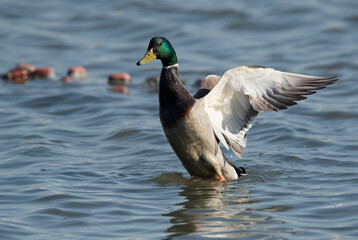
x,y
242,92
175,101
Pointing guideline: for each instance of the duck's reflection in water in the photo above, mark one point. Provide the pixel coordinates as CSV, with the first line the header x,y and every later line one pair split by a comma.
x,y
213,209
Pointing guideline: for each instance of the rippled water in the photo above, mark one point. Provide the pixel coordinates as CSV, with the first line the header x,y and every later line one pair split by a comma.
x,y
80,161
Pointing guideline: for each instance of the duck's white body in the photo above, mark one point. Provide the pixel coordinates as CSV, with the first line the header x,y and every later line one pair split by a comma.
x,y
223,110
189,131
197,147
226,112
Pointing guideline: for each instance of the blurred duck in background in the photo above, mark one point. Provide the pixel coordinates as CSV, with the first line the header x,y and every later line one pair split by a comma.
x,y
119,82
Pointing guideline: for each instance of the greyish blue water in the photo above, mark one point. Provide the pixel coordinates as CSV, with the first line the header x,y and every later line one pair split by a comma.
x,y
80,161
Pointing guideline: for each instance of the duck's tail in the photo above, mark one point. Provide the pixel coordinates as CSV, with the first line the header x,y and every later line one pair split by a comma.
x,y
240,171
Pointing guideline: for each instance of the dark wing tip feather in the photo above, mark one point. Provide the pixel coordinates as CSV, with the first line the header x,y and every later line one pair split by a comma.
x,y
325,80
317,83
283,96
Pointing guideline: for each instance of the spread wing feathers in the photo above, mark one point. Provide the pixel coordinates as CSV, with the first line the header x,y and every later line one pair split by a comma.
x,y
243,92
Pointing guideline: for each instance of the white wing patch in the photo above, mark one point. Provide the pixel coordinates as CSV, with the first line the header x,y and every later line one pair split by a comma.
x,y
243,92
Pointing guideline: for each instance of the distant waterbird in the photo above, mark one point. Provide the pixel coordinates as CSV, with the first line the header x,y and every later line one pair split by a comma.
x,y
77,72
119,82
43,72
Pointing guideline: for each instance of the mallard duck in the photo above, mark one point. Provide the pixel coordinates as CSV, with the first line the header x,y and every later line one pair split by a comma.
x,y
223,110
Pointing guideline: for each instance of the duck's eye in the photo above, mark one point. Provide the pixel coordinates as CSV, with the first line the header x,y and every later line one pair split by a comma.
x,y
160,44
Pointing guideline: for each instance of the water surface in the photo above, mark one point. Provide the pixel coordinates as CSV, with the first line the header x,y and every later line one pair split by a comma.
x,y
80,161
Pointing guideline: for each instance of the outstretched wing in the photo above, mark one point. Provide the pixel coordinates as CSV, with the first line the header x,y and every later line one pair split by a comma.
x,y
243,92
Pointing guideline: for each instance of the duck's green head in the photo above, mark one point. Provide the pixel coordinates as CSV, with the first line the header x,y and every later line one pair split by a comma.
x,y
159,48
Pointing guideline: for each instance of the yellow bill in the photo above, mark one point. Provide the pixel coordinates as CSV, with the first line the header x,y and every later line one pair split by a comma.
x,y
149,56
